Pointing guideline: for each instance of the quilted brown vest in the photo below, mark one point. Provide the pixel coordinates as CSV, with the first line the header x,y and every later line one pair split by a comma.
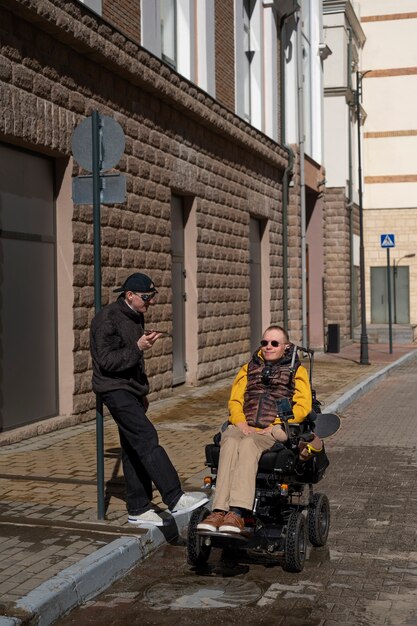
x,y
266,384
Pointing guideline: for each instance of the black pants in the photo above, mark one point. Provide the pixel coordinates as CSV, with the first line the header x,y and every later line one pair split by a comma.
x,y
144,460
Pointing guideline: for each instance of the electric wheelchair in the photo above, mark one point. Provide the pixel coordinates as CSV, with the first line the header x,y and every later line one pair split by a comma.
x,y
286,509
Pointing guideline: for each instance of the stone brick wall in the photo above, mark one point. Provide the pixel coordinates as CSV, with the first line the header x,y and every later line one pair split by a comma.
x,y
59,62
225,53
337,261
125,15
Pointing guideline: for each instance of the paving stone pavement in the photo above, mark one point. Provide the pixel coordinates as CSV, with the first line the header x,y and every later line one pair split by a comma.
x,y
48,501
365,575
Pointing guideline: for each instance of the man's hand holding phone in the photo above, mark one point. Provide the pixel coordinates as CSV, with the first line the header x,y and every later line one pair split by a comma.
x,y
148,338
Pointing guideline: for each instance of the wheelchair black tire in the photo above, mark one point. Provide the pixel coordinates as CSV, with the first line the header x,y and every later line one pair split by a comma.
x,y
318,518
197,551
295,543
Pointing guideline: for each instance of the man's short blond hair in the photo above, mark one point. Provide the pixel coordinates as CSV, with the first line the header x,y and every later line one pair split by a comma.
x,y
276,327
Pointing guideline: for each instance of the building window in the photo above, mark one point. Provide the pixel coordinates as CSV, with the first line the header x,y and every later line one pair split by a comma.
x,y
168,17
94,5
204,36
181,33
248,6
307,74
256,65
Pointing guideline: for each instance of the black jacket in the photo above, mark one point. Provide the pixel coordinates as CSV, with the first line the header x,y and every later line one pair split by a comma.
x,y
118,363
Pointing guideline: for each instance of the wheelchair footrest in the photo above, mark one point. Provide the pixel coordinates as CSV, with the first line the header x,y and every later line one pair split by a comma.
x,y
219,537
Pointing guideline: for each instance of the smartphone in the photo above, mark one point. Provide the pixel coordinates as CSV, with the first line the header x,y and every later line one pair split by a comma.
x,y
155,330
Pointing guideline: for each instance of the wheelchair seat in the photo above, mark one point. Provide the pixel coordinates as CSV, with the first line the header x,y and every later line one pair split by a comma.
x,y
282,459
277,458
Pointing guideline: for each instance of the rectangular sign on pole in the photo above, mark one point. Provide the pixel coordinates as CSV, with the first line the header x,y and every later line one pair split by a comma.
x,y
388,240
112,189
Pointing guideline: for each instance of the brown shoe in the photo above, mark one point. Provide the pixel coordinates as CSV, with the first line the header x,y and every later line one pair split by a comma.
x,y
232,523
212,521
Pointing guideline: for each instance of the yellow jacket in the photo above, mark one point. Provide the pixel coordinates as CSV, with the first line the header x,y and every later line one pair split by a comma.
x,y
301,398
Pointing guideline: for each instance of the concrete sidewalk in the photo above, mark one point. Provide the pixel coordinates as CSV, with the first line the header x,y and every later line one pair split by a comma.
x,y
54,554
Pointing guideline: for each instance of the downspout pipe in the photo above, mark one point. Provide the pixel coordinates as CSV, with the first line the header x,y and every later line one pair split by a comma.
x,y
285,186
350,180
301,141
288,172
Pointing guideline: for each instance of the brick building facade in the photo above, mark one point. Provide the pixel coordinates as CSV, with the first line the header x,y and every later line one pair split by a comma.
x,y
59,62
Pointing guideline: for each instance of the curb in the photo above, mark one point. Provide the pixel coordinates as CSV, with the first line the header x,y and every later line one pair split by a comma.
x,y
90,576
366,385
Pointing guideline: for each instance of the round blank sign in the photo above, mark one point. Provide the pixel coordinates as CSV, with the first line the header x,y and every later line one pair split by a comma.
x,y
112,143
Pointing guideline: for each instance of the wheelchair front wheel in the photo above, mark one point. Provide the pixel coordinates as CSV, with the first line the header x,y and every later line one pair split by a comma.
x,y
318,520
198,551
295,543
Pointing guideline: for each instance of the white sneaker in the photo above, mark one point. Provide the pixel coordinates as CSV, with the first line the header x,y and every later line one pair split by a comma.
x,y
148,518
189,501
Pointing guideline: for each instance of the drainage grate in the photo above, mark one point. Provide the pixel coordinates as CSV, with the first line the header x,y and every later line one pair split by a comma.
x,y
201,594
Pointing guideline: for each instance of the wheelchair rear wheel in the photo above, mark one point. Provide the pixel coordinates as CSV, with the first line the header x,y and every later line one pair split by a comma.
x,y
198,551
318,520
295,543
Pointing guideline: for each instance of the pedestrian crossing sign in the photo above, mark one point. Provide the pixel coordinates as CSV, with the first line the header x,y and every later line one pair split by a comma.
x,y
388,241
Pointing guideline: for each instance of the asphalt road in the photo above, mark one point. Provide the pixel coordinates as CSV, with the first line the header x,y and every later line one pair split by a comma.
x,y
365,575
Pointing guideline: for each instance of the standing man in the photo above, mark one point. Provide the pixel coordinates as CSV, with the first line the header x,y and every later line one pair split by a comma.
x,y
118,342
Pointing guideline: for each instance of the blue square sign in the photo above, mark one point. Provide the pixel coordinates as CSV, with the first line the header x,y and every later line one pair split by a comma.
x,y
388,241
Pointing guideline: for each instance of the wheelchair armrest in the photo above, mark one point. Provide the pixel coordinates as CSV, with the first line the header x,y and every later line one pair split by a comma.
x,y
278,445
218,436
299,428
296,429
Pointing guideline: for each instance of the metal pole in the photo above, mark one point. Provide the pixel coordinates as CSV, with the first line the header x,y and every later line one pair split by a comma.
x,y
301,142
288,170
389,302
96,124
285,199
364,358
350,189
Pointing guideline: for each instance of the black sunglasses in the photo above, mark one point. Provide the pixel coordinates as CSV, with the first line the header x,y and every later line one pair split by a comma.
x,y
274,343
146,297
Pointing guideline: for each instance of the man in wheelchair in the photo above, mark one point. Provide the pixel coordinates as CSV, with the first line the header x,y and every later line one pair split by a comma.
x,y
272,375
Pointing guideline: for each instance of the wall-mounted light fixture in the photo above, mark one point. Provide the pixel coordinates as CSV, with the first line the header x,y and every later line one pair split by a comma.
x,y
324,51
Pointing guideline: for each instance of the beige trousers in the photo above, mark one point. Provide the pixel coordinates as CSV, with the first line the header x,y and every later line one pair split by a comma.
x,y
238,466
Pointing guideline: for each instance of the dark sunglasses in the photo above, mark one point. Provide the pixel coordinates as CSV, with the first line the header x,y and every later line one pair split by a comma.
x,y
146,297
273,343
